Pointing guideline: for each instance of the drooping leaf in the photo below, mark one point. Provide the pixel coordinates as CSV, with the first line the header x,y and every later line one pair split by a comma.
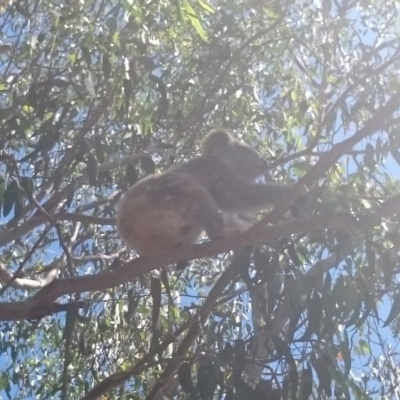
x,y
106,66
19,204
92,168
2,191
293,255
128,89
282,348
314,312
396,155
306,382
112,25
324,375
294,380
185,378
71,193
194,20
10,197
206,7
148,165
226,355
207,381
131,174
394,310
346,354
356,313
239,358
86,55
88,81
28,185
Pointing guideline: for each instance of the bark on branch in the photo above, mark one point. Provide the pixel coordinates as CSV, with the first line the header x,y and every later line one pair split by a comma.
x,y
43,302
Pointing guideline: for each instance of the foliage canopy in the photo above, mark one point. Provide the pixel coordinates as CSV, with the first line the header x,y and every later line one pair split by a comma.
x,y
96,95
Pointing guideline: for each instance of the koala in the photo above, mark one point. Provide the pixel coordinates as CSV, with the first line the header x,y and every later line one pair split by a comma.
x,y
173,208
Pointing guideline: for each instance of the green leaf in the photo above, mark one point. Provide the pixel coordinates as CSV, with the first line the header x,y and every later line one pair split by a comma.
x,y
27,109
112,25
73,58
19,203
270,12
291,249
57,178
207,381
10,197
324,374
6,112
293,379
70,321
194,20
131,174
148,165
356,313
229,394
395,310
133,8
2,190
396,155
239,352
88,81
92,169
206,7
327,282
364,347
86,55
71,192
106,66
226,355
28,185
178,4
282,349
369,160
306,382
345,351
128,88
314,312
299,167
185,378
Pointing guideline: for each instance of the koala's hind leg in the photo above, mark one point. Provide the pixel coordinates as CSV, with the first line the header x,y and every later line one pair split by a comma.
x,y
208,215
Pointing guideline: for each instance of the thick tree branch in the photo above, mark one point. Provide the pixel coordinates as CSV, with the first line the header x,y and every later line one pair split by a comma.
x,y
13,233
392,205
377,122
42,303
20,283
38,305
119,378
197,322
50,272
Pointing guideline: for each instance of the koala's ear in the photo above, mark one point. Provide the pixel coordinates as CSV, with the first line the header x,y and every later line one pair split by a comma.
x,y
215,140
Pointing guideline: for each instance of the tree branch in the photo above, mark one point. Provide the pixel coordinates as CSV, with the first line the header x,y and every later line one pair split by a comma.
x,y
325,162
42,303
392,205
38,305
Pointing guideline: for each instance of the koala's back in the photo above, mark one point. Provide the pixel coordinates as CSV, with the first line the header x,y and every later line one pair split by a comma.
x,y
173,208
159,213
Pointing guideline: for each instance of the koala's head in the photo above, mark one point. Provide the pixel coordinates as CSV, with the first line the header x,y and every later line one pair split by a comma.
x,y
237,156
